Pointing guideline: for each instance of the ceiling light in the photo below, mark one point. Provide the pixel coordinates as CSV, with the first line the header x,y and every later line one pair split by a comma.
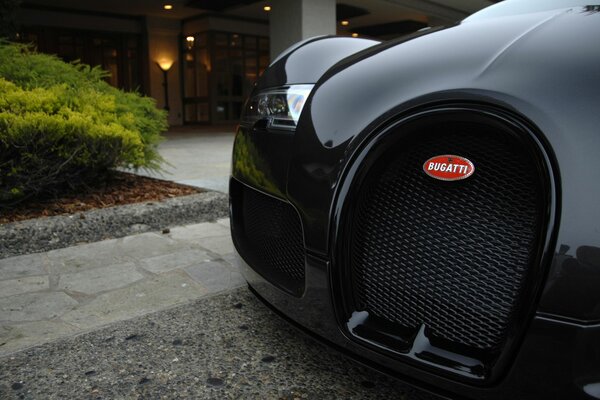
x,y
345,22
355,34
190,42
168,6
267,8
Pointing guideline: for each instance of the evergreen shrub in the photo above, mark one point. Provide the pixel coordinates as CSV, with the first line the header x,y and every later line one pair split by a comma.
x,y
62,126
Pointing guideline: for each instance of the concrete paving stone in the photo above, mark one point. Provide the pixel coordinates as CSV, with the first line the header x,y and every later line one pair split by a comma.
x,y
149,245
196,232
35,306
221,244
169,262
86,256
20,266
216,276
24,285
18,336
224,222
157,293
231,259
100,279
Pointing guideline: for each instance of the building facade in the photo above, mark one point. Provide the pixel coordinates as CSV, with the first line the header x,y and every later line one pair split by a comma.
x,y
200,58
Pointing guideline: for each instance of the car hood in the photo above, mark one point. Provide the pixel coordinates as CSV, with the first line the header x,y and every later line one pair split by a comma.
x,y
520,56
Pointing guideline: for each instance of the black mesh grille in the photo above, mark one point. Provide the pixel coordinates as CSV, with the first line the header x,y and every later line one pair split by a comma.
x,y
450,255
272,239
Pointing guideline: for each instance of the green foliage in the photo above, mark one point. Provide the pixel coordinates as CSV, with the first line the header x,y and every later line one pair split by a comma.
x,y
61,124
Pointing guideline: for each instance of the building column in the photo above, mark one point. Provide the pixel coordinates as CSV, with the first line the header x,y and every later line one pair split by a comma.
x,y
293,21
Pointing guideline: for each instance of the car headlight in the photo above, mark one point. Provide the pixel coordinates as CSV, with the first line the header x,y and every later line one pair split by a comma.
x,y
277,108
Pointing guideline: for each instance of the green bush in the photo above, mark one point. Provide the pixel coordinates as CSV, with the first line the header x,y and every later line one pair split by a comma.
x,y
62,125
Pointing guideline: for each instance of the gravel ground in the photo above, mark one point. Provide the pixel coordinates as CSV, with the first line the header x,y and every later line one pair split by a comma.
x,y
223,347
43,234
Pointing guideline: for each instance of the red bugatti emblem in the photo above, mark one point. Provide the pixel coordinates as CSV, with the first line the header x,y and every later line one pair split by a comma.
x,y
448,167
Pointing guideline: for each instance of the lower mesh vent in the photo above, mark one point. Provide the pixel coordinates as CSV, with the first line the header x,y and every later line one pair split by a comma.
x,y
271,240
452,256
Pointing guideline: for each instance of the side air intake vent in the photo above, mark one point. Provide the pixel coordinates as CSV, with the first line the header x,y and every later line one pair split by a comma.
x,y
268,235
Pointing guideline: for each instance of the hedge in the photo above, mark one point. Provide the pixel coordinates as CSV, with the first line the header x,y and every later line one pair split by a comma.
x,y
62,125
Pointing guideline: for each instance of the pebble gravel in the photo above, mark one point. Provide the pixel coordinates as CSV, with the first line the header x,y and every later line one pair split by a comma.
x,y
229,346
43,234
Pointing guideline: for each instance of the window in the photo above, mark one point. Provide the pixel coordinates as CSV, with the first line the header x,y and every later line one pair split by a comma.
x,y
219,71
119,54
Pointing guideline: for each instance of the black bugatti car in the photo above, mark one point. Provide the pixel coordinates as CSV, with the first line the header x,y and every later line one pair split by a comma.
x,y
431,205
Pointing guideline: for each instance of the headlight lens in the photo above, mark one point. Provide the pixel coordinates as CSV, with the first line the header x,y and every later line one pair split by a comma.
x,y
279,108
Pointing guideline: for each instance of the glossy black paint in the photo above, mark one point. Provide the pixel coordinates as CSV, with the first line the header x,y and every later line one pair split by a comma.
x,y
573,286
541,69
261,156
307,61
261,159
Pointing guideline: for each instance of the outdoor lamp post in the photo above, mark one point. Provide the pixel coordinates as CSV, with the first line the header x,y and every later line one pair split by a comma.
x,y
165,66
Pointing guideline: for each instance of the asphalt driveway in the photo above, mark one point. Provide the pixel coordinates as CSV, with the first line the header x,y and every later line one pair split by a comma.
x,y
228,346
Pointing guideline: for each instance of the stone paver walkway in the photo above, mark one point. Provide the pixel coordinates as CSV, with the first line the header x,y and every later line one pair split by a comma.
x,y
67,291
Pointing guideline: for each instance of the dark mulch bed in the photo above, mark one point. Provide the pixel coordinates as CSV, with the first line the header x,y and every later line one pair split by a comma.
x,y
121,188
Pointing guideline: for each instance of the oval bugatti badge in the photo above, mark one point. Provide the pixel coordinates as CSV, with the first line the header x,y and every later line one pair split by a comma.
x,y
449,167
